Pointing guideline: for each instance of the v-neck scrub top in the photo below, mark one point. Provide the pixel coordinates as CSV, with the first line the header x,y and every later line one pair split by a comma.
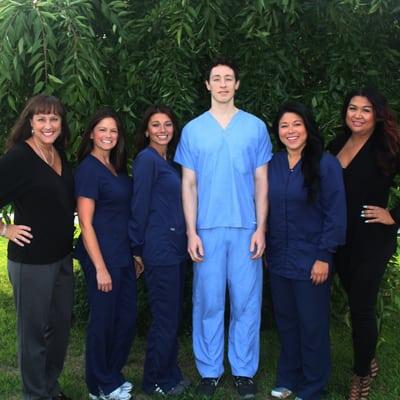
x,y
157,225
43,200
112,196
299,231
225,161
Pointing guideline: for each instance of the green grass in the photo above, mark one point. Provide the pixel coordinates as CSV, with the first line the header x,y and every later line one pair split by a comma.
x,y
386,387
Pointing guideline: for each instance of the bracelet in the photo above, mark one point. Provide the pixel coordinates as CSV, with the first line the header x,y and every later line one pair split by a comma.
x,y
4,230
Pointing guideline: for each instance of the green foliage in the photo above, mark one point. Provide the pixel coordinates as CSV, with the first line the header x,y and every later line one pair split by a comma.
x,y
128,54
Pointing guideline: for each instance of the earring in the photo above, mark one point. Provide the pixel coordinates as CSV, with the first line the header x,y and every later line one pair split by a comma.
x,y
146,134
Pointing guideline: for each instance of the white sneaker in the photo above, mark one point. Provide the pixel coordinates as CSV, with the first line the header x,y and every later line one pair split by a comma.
x,y
281,392
127,386
117,394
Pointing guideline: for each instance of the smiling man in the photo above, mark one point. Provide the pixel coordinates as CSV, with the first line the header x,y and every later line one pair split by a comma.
x,y
224,154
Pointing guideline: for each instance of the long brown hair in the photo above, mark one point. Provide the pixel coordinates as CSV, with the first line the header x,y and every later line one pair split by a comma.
x,y
40,104
142,141
386,131
118,153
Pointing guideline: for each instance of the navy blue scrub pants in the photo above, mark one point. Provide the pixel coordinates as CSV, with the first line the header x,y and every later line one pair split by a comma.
x,y
111,328
302,317
165,294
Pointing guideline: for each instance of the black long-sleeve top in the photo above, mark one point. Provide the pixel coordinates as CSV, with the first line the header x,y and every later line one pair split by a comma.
x,y
43,200
366,184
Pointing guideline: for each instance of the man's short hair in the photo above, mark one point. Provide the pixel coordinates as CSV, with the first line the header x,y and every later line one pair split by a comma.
x,y
221,61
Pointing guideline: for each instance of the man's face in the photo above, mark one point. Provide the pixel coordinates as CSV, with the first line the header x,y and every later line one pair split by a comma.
x,y
222,84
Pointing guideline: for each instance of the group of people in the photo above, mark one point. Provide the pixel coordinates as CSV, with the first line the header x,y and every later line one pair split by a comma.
x,y
218,195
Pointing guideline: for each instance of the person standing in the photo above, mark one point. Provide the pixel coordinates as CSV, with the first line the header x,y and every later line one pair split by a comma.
x,y
37,180
158,240
224,154
306,222
103,190
369,152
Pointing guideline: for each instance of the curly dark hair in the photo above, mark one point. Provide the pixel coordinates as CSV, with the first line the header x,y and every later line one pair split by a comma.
x,y
386,131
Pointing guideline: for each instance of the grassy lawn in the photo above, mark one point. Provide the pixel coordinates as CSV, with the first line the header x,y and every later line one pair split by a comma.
x,y
386,387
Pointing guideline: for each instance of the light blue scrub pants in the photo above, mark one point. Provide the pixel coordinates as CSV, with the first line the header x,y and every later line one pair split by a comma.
x,y
227,261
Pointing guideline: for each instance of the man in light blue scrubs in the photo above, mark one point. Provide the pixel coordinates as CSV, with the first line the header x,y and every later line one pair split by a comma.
x,y
224,154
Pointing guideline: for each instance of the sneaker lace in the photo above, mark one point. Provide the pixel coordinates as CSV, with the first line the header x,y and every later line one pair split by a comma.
x,y
208,381
159,390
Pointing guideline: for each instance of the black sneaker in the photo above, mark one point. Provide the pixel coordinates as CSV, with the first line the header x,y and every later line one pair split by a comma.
x,y
246,387
62,396
207,387
157,390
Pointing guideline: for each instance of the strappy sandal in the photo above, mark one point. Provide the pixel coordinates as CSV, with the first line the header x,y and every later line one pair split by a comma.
x,y
365,386
359,387
374,369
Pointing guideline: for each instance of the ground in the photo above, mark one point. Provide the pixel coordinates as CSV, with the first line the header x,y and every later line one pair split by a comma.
x,y
386,387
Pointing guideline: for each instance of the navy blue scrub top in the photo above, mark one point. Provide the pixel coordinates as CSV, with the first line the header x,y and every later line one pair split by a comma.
x,y
157,225
112,195
299,231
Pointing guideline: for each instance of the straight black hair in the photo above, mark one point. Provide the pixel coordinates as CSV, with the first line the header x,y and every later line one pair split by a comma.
x,y
313,150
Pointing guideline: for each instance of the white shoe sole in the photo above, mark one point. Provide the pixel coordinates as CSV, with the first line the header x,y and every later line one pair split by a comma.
x,y
280,394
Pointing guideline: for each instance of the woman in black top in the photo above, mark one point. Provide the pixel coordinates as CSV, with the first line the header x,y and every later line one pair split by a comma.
x,y
369,153
37,180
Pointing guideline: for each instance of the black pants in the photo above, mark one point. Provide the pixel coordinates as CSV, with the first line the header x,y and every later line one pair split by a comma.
x,y
361,273
43,297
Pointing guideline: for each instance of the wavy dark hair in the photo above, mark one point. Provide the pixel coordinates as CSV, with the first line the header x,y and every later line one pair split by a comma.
x,y
221,61
142,141
386,131
313,150
40,104
118,155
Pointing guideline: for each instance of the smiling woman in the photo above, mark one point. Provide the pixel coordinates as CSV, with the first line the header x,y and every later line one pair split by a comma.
x,y
306,222
158,241
103,190
369,153
37,180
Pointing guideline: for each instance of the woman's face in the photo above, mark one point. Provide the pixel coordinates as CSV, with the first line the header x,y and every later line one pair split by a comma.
x,y
105,135
360,116
46,128
292,132
160,130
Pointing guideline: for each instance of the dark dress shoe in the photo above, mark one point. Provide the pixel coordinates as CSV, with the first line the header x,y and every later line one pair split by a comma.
x,y
61,396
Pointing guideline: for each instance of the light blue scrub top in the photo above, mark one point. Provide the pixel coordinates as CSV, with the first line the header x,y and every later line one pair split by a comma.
x,y
225,161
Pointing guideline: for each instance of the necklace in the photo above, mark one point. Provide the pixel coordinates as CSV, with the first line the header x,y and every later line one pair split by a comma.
x,y
42,156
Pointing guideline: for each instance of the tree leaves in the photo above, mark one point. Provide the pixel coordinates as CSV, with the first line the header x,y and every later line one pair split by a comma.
x,y
130,54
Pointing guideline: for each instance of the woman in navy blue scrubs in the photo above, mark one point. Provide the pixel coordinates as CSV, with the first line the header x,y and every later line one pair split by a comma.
x,y
306,222
158,240
103,190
